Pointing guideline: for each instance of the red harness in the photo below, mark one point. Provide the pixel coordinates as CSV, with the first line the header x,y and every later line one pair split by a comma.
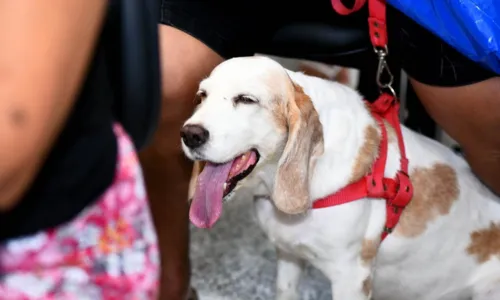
x,y
396,191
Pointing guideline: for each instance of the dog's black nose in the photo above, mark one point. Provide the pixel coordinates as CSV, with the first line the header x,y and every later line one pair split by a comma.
x,y
194,136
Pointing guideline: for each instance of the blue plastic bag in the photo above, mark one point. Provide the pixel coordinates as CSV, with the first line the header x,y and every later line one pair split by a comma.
x,y
470,26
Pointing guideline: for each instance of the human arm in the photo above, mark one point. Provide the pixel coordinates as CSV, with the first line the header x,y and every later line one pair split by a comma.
x,y
46,47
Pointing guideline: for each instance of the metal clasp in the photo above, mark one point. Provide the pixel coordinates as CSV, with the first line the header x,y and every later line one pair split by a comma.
x,y
383,68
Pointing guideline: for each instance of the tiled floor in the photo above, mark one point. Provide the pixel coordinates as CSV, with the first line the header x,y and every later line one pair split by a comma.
x,y
235,261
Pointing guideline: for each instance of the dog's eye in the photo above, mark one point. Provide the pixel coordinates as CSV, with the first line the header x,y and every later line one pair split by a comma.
x,y
245,99
200,96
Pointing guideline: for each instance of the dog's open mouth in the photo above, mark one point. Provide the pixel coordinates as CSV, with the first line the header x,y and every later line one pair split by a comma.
x,y
241,167
214,183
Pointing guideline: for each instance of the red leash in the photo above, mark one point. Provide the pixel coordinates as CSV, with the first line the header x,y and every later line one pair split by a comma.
x,y
397,191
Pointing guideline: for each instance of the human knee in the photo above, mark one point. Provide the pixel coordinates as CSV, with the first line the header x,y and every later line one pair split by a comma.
x,y
482,151
470,115
482,136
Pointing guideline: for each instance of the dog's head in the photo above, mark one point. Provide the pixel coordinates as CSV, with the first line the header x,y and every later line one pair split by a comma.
x,y
251,115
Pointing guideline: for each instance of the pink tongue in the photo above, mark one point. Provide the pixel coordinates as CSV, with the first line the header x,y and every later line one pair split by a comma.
x,y
206,206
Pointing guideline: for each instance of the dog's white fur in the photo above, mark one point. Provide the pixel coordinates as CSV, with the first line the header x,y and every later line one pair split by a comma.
x,y
428,266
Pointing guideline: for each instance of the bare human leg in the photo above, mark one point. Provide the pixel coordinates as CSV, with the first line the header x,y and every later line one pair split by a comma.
x,y
184,62
470,115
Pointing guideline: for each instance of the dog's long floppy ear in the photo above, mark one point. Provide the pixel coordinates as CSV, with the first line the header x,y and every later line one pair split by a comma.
x,y
305,141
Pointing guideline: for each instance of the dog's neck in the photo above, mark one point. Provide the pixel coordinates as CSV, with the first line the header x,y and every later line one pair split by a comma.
x,y
351,135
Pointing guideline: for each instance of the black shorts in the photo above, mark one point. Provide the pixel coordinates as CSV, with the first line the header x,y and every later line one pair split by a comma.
x,y
239,28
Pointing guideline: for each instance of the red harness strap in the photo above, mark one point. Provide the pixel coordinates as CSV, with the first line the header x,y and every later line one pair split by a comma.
x,y
397,191
376,19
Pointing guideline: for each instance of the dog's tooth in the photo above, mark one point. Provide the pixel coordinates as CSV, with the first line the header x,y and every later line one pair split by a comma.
x,y
225,185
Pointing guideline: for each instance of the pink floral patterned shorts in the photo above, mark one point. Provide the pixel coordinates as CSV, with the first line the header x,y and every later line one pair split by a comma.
x,y
108,252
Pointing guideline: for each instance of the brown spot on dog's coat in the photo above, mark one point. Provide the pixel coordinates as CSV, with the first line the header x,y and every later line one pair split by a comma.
x,y
342,75
278,109
369,151
304,143
435,191
391,133
311,71
367,286
369,250
367,154
485,243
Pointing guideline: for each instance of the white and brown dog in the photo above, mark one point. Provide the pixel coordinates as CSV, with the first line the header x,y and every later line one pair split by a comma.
x,y
299,138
